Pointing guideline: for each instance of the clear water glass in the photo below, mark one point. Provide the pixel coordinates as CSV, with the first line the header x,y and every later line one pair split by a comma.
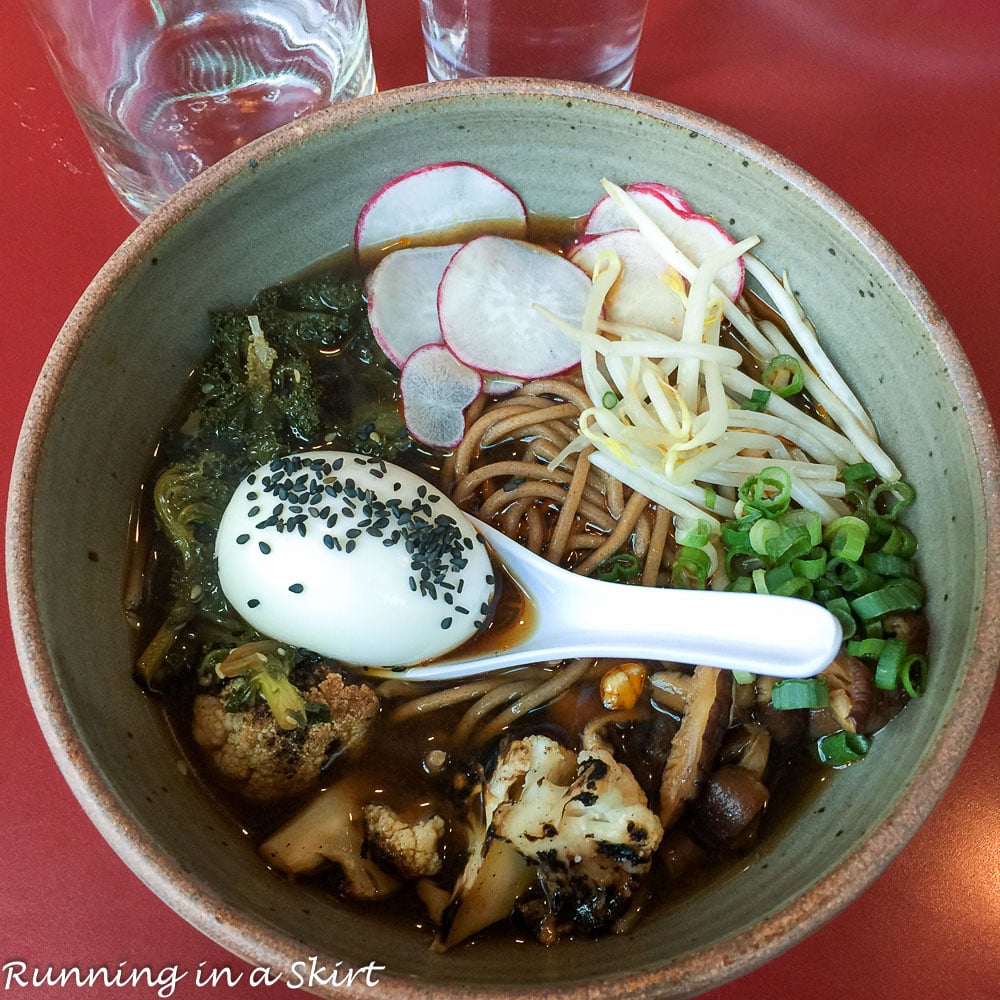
x,y
593,41
165,88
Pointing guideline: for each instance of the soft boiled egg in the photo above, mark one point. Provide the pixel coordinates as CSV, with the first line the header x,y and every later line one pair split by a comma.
x,y
353,558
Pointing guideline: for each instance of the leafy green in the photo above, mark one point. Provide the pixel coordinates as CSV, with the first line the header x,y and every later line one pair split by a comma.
x,y
189,498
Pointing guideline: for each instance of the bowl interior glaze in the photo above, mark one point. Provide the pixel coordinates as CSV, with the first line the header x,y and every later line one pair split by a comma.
x,y
115,376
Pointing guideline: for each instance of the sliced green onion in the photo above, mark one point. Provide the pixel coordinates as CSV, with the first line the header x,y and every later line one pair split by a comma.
x,y
783,375
709,500
846,537
841,610
696,536
743,677
782,581
900,542
760,581
897,495
889,662
789,543
736,538
913,675
840,749
770,491
807,519
800,692
886,564
866,649
812,565
852,576
741,585
758,401
760,531
859,472
610,400
897,595
620,566
691,568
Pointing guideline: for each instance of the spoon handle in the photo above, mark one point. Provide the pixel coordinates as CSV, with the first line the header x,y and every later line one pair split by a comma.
x,y
761,634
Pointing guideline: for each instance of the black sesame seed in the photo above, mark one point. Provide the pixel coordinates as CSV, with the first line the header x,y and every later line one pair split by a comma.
x,y
350,546
253,511
296,588
264,548
242,539
445,623
353,532
253,603
251,495
328,541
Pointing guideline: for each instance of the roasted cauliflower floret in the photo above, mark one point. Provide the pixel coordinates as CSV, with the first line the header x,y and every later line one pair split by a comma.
x,y
583,829
266,761
411,848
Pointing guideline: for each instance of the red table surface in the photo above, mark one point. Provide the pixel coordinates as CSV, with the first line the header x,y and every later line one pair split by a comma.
x,y
896,107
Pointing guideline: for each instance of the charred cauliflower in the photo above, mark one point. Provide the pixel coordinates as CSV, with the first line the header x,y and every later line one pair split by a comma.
x,y
267,739
582,833
411,848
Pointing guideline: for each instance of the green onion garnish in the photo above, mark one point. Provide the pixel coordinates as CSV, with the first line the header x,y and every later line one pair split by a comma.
x,y
913,675
783,375
758,401
769,492
800,692
841,610
898,496
696,536
889,662
859,472
609,400
846,537
691,569
621,566
898,595
900,542
839,749
865,649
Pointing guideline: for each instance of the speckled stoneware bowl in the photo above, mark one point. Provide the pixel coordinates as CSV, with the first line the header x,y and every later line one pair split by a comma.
x,y
293,197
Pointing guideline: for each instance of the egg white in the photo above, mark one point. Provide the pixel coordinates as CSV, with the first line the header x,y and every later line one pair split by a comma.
x,y
332,574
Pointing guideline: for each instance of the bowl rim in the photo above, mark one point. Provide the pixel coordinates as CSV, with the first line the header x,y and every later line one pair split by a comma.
x,y
691,973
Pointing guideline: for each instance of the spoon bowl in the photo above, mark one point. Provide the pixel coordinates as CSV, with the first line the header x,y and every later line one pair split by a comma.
x,y
580,616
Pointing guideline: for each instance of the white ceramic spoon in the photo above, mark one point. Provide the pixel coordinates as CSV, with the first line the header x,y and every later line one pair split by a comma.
x,y
573,615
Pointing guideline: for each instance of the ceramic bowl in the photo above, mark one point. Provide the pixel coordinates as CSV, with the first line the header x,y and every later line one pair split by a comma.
x,y
114,377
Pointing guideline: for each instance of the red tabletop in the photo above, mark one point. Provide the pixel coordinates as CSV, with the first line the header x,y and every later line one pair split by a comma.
x,y
896,106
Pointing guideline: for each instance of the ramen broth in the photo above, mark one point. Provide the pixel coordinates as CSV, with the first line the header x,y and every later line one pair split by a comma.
x,y
413,765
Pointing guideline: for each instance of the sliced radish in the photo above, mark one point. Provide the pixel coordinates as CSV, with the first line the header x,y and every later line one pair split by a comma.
x,y
640,296
402,299
486,305
670,195
695,235
436,388
606,216
443,201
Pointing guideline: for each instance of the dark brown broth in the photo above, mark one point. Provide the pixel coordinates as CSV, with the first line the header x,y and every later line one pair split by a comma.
x,y
394,761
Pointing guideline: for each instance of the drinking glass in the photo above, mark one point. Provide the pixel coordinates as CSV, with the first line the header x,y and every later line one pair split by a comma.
x,y
165,88
594,41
